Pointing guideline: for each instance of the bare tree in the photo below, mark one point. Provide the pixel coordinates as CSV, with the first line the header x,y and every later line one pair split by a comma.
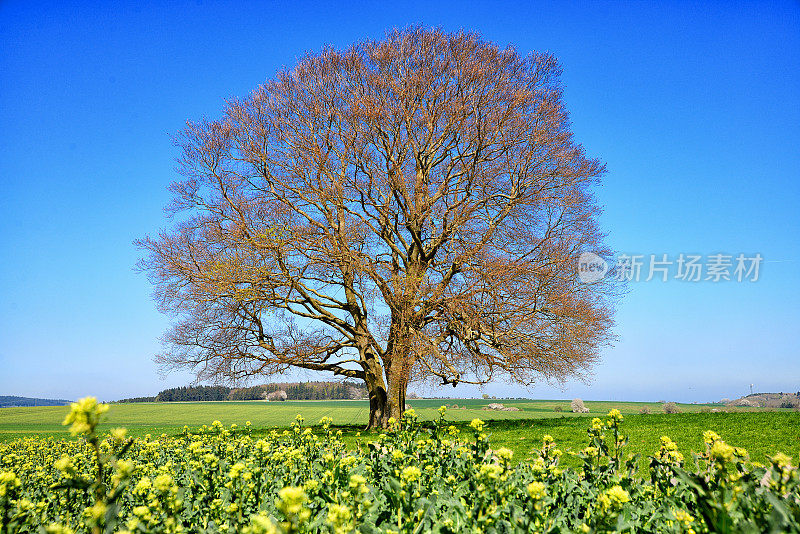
x,y
406,209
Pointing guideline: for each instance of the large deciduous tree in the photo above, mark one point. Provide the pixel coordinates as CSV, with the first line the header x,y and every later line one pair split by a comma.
x,y
406,209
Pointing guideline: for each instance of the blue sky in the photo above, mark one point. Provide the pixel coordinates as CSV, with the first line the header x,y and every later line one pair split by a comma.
x,y
694,107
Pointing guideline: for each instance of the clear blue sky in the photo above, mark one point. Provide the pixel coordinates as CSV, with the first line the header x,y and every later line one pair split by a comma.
x,y
695,108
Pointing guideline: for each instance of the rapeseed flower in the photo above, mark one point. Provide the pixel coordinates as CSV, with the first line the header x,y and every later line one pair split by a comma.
x,y
291,501
477,425
84,415
537,490
613,498
411,473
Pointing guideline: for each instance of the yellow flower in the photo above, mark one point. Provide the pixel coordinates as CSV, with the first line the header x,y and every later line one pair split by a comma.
x,y
358,482
411,473
721,451
64,464
537,490
291,501
410,413
84,415
260,524
96,512
613,498
781,461
491,471
143,486
477,424
125,467
236,470
667,444
684,517
163,482
8,480
710,437
504,454
615,416
338,514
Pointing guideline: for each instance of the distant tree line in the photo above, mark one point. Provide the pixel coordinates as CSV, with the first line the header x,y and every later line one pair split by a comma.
x,y
294,391
194,393
9,401
137,399
303,391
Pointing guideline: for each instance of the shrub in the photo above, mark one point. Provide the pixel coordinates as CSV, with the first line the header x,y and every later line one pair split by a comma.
x,y
558,408
645,410
279,395
578,407
671,407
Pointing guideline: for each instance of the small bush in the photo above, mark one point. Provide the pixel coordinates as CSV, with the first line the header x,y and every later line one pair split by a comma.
x,y
578,407
671,407
277,396
645,410
558,409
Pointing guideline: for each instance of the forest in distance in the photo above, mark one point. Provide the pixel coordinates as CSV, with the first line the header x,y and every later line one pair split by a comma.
x,y
331,390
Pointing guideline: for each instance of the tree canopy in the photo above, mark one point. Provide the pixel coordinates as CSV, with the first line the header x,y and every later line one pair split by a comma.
x,y
407,209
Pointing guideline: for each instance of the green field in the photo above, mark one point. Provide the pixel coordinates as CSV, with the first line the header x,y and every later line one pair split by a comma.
x,y
762,433
169,418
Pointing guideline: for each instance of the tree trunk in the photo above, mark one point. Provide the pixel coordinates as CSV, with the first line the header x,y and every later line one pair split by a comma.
x,y
376,388
397,395
378,407
385,403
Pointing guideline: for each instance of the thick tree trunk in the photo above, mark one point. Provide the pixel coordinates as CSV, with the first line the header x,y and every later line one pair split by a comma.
x,y
378,407
384,405
386,383
386,402
397,395
376,388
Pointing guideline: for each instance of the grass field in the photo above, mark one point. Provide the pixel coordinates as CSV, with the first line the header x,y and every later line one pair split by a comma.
x,y
761,433
169,418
